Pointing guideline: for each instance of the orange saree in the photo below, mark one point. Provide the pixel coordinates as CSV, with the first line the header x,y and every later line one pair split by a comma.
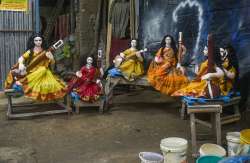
x,y
197,87
164,76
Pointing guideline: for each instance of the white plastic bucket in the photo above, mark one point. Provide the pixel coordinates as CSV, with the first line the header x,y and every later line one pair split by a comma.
x,y
212,149
150,157
174,150
233,143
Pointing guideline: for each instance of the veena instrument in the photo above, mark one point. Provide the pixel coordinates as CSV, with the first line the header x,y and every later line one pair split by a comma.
x,y
119,60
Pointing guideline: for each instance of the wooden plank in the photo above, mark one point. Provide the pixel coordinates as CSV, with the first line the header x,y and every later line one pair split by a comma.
x,y
204,110
230,103
235,119
204,123
31,104
230,119
37,113
141,81
203,107
230,116
87,104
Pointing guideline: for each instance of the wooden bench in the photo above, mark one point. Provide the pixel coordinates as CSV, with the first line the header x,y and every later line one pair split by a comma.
x,y
10,93
234,102
215,109
215,123
112,82
79,104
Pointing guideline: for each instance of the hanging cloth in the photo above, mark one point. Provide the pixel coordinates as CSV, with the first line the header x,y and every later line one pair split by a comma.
x,y
119,17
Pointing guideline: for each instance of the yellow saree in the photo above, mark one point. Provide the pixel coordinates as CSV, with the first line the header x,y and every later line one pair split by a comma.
x,y
197,87
132,67
40,83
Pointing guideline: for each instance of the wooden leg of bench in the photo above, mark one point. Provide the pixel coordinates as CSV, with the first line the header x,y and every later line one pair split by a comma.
x,y
115,83
9,111
107,85
107,92
218,127
183,111
193,133
68,103
108,100
77,105
111,97
102,105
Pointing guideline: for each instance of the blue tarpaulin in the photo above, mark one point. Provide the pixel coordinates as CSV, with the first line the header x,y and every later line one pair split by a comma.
x,y
202,100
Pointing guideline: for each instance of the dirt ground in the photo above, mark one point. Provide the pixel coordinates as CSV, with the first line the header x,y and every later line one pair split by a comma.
x,y
137,122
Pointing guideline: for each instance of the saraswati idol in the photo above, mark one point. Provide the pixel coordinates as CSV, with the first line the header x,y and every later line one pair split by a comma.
x,y
33,72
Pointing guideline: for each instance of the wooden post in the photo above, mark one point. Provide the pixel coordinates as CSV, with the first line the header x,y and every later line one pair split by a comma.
x,y
109,36
77,105
132,19
218,127
68,103
9,111
183,110
193,133
102,105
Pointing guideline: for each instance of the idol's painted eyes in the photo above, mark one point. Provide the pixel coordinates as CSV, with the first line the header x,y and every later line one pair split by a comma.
x,y
38,40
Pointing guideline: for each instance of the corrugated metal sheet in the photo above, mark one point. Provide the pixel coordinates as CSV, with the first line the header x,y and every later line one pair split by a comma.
x,y
15,29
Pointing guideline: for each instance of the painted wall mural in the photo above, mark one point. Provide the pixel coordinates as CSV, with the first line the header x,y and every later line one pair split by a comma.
x,y
228,21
